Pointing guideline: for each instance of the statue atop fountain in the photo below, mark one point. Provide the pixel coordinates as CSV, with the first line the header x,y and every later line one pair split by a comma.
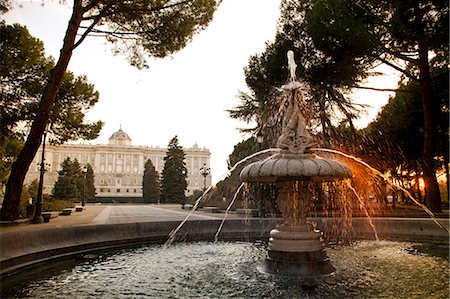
x,y
296,247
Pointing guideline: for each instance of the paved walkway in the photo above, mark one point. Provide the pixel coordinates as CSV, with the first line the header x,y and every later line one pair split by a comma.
x,y
113,214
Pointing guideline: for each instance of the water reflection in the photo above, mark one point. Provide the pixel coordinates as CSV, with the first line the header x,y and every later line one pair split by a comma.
x,y
230,270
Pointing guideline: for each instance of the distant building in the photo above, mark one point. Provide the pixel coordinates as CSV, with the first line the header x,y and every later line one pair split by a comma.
x,y
118,166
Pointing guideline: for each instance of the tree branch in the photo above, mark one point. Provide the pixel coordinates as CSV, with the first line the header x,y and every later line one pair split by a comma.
x,y
147,10
382,89
86,32
403,71
401,56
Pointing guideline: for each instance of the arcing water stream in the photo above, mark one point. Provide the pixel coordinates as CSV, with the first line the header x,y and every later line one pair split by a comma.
x,y
380,174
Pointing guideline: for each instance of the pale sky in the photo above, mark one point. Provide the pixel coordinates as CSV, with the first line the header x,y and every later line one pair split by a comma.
x,y
185,94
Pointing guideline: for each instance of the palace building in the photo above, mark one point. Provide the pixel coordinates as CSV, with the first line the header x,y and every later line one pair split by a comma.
x,y
118,166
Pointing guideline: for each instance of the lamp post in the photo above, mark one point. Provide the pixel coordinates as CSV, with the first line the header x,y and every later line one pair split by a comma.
x,y
85,170
204,171
262,206
37,218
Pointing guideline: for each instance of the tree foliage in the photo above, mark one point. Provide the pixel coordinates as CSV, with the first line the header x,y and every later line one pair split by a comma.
x,y
24,71
400,34
337,44
174,174
89,184
399,127
70,182
329,105
10,146
241,150
150,183
135,27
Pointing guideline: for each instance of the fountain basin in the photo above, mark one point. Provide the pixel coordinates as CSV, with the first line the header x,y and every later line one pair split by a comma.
x,y
20,249
232,270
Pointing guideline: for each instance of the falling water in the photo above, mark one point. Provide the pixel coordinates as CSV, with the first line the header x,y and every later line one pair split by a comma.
x,y
361,204
216,237
379,173
174,232
250,157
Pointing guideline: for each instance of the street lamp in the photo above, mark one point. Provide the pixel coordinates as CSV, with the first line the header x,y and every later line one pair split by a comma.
x,y
85,170
204,171
37,218
262,207
260,138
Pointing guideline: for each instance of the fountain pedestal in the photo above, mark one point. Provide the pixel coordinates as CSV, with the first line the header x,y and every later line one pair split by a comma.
x,y
296,247
297,251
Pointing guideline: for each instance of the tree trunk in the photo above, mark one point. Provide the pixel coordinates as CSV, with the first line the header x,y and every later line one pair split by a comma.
x,y
417,179
19,169
446,170
432,195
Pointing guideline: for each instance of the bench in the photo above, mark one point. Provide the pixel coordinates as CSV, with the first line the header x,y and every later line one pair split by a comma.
x,y
187,206
79,209
211,209
66,212
46,216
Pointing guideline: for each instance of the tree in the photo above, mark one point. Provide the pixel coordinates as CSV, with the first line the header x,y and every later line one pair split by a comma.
x,y
329,103
10,146
150,183
33,189
89,187
174,174
241,150
69,184
400,123
400,34
24,71
135,27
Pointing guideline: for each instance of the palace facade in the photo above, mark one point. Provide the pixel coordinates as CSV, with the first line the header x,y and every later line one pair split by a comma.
x,y
118,166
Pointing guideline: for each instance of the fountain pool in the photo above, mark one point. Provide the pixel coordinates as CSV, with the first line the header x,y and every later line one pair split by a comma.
x,y
367,269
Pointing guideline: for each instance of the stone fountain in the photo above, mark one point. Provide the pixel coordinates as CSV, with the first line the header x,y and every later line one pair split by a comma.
x,y
296,247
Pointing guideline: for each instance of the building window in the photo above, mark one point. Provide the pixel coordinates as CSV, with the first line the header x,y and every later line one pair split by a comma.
x,y
118,190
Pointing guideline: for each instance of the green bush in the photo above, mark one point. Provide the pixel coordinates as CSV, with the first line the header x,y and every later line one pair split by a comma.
x,y
48,205
57,205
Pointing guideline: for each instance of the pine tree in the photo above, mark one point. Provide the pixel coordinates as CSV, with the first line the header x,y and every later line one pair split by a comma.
x,y
174,174
150,183
70,181
89,184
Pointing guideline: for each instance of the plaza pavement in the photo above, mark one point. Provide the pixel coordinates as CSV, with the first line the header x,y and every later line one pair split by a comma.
x,y
95,214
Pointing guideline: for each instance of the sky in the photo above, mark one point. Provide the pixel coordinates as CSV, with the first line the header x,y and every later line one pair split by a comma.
x,y
186,94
